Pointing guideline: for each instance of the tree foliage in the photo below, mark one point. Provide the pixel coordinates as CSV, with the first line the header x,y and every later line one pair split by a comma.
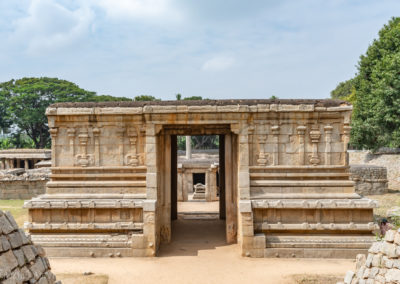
x,y
376,117
145,98
24,102
343,90
193,98
375,92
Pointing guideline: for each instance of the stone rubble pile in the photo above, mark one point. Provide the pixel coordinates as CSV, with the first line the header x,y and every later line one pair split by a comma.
x,y
22,174
382,265
369,179
20,260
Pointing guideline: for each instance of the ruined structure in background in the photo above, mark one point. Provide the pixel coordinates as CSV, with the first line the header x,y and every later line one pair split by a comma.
x,y
23,184
284,177
369,179
20,260
22,158
201,167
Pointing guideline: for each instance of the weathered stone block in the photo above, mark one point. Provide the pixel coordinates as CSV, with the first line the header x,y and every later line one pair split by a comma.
x,y
37,269
7,263
5,226
15,239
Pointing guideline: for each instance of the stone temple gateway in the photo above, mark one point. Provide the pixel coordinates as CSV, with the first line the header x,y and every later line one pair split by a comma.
x,y
284,178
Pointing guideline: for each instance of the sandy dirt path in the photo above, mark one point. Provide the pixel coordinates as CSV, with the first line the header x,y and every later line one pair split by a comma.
x,y
198,254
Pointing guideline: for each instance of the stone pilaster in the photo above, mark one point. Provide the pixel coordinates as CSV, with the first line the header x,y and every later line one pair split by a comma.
x,y
346,139
328,144
53,134
149,211
82,159
315,134
96,136
275,132
71,138
131,158
301,131
120,136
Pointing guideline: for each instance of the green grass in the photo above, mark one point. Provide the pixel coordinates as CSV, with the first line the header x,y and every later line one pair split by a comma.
x,y
75,278
15,207
385,202
316,279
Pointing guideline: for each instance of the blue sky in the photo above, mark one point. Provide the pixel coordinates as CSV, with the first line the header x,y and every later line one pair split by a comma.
x,y
211,48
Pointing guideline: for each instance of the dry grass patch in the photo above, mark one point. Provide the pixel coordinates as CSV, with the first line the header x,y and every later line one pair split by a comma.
x,y
386,201
316,279
77,278
15,207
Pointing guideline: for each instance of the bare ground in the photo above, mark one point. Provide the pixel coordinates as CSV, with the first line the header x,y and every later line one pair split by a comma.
x,y
198,254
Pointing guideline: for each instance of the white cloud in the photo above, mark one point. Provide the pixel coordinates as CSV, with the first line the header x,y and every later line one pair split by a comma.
x,y
138,9
218,63
50,26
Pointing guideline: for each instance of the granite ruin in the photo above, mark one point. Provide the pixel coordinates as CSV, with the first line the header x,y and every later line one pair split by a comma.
x,y
284,187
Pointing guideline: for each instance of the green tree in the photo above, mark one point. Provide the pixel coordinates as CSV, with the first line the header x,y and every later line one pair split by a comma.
x,y
376,115
24,102
107,98
273,97
178,97
193,98
343,90
145,98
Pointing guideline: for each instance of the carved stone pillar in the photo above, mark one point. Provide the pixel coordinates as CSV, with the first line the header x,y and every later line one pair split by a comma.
x,y
262,159
131,158
71,138
2,164
328,144
275,133
346,139
315,134
26,164
120,135
53,134
83,157
301,131
96,136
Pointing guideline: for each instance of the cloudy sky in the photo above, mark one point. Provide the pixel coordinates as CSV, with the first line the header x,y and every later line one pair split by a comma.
x,y
217,49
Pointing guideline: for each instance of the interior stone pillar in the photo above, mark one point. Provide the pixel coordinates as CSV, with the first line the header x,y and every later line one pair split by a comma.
x,y
208,189
188,147
213,182
184,185
179,186
18,163
26,164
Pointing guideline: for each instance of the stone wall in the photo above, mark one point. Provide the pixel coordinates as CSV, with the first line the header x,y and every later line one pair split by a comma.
x,y
369,179
21,184
20,260
382,265
390,161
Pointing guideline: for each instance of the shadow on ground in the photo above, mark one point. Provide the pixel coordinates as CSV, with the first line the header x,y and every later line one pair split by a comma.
x,y
191,236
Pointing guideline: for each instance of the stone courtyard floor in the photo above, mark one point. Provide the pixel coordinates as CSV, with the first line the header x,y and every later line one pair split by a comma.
x,y
198,254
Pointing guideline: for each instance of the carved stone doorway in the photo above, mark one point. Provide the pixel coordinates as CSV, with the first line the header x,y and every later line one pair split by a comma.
x,y
227,176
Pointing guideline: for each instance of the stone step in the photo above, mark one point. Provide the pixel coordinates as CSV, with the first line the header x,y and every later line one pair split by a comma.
x,y
266,226
315,203
99,175
297,183
67,226
96,184
298,175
